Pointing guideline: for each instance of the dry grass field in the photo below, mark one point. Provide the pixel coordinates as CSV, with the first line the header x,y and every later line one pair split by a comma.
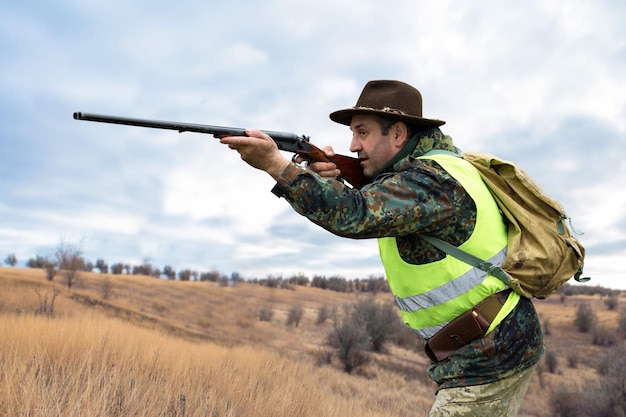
x,y
170,348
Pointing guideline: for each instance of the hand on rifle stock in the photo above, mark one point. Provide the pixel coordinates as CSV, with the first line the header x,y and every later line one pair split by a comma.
x,y
325,169
326,163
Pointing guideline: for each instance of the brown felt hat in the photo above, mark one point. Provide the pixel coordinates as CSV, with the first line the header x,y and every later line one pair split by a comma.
x,y
392,99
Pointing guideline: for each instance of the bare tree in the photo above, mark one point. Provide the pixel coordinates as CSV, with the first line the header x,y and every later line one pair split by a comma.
x,y
11,259
185,275
69,258
145,268
102,266
37,262
169,272
117,268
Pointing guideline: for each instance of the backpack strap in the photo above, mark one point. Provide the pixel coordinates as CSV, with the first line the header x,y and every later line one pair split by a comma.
x,y
444,152
460,254
468,258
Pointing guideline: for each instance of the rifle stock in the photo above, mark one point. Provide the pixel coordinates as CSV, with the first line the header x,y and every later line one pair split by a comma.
x,y
350,167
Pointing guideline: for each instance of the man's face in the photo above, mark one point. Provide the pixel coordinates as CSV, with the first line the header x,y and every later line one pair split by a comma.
x,y
372,147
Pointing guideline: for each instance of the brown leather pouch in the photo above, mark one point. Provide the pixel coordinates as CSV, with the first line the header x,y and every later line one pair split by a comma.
x,y
459,332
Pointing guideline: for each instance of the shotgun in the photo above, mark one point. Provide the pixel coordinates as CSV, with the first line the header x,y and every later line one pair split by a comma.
x,y
350,167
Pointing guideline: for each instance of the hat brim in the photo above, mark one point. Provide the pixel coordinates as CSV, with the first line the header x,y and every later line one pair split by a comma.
x,y
344,117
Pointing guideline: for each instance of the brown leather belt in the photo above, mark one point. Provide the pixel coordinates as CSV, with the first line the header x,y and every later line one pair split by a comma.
x,y
465,328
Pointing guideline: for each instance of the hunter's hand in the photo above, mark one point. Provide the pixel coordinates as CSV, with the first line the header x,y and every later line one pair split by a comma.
x,y
259,151
324,169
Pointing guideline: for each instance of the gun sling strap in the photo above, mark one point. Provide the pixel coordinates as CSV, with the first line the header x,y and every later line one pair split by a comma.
x,y
468,258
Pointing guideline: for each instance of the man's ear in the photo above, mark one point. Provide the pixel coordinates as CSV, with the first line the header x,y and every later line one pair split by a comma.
x,y
400,134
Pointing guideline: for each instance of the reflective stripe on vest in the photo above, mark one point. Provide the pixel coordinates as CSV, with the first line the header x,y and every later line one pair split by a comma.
x,y
431,295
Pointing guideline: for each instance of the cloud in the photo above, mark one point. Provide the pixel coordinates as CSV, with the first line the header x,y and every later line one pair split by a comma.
x,y
539,82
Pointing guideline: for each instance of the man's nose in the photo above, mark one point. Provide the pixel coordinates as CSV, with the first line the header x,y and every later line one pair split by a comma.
x,y
355,145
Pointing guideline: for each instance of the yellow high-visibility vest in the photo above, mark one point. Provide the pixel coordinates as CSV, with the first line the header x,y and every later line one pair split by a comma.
x,y
431,295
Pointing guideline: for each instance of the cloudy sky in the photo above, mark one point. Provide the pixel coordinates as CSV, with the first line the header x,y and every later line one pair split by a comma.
x,y
540,82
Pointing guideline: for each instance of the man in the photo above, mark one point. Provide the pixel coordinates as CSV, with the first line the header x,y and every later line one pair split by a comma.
x,y
484,340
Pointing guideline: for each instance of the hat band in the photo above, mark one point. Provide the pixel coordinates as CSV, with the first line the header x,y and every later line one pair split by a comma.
x,y
385,110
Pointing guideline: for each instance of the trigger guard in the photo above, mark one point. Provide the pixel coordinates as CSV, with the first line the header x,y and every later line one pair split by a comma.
x,y
304,163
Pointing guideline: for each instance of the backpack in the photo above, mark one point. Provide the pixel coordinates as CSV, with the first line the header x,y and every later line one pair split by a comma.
x,y
542,253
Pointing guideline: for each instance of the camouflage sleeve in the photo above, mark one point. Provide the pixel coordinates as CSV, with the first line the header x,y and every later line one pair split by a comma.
x,y
396,204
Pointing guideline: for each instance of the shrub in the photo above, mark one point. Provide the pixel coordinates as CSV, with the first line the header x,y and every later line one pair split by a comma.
x,y
611,302
351,342
266,313
621,322
603,336
552,361
572,360
560,402
323,357
46,307
606,398
106,288
566,403
381,321
614,383
294,315
323,313
408,338
51,270
365,326
546,327
585,318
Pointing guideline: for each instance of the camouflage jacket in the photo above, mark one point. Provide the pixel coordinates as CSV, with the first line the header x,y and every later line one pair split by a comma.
x,y
414,196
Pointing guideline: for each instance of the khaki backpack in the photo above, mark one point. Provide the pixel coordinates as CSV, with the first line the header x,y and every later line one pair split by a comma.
x,y
542,253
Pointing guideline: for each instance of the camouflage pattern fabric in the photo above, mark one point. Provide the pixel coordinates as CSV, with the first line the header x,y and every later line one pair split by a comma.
x,y
418,196
502,398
